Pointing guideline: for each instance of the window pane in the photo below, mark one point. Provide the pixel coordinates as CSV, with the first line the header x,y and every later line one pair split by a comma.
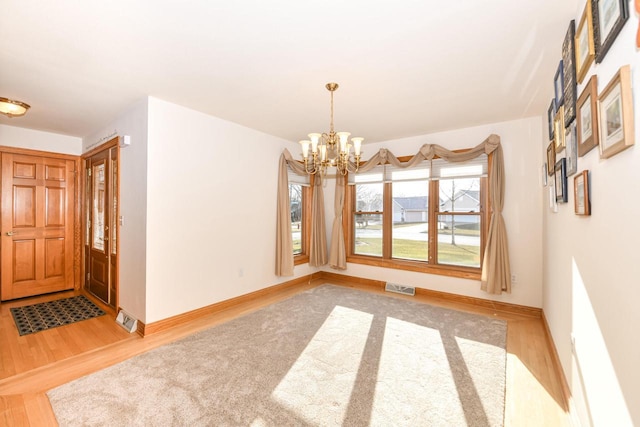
x,y
369,197
295,198
99,199
459,240
410,238
368,234
460,195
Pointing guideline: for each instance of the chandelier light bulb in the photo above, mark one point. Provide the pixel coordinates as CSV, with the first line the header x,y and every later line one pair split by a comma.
x,y
305,148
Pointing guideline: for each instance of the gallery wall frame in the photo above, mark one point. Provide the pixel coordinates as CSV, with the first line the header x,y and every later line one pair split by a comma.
x,y
551,158
551,115
558,86
584,47
570,84
571,145
587,129
558,127
609,16
615,113
561,181
581,200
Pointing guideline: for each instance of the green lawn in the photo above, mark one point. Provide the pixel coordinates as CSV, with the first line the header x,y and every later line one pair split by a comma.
x,y
464,255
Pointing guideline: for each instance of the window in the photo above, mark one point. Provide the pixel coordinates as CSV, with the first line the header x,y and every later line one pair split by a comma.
x,y
295,198
300,204
427,218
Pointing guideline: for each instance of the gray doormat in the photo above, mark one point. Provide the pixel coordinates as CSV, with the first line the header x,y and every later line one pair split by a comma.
x,y
51,314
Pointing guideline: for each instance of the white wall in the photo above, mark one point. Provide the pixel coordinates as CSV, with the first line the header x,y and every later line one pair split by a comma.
x,y
211,210
592,268
133,203
520,139
13,136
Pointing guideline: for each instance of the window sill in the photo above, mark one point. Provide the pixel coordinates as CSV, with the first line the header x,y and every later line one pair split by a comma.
x,y
421,267
300,259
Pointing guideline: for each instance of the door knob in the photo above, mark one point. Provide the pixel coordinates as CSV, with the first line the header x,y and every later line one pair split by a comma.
x,y
9,233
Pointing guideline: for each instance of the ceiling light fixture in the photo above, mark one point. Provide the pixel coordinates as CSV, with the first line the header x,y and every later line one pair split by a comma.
x,y
11,108
331,149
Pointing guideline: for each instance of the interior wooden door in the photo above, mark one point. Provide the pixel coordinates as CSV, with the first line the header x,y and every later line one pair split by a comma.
x,y
37,242
98,265
101,204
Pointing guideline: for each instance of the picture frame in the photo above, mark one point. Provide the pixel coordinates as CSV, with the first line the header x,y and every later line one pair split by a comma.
x,y
609,16
615,109
582,203
585,49
551,158
571,145
551,114
553,205
545,175
558,86
570,84
587,117
558,128
561,181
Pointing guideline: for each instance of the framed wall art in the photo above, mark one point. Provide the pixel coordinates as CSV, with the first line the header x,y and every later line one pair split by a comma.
x,y
558,86
553,205
551,115
551,158
570,85
558,129
587,117
585,51
615,107
571,144
561,181
609,16
582,204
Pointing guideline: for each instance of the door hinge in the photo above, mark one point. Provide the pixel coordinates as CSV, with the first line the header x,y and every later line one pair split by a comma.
x,y
88,276
89,172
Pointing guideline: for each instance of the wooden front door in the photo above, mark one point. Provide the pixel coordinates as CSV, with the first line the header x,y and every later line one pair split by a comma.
x,y
101,227
37,225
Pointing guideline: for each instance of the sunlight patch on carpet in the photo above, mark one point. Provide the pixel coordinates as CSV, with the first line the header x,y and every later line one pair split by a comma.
x,y
411,353
328,367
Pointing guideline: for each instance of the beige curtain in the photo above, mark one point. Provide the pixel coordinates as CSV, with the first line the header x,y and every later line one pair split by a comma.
x,y
496,273
284,244
337,253
318,239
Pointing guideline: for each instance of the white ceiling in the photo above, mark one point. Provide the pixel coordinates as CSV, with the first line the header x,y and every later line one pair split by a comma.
x,y
405,67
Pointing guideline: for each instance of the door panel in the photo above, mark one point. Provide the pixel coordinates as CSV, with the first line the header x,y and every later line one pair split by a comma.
x,y
24,260
55,205
54,258
24,206
37,225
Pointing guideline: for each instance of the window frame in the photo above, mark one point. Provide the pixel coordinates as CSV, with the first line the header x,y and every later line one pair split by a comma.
x,y
431,266
307,194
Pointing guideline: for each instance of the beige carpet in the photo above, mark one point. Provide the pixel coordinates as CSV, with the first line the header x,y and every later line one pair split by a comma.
x,y
329,356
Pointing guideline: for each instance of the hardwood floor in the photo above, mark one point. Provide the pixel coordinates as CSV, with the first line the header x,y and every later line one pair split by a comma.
x,y
32,364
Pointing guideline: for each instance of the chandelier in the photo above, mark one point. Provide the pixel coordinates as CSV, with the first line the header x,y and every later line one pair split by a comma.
x,y
331,149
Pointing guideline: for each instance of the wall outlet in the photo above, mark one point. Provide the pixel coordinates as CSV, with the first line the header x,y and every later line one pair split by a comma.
x,y
240,272
513,279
